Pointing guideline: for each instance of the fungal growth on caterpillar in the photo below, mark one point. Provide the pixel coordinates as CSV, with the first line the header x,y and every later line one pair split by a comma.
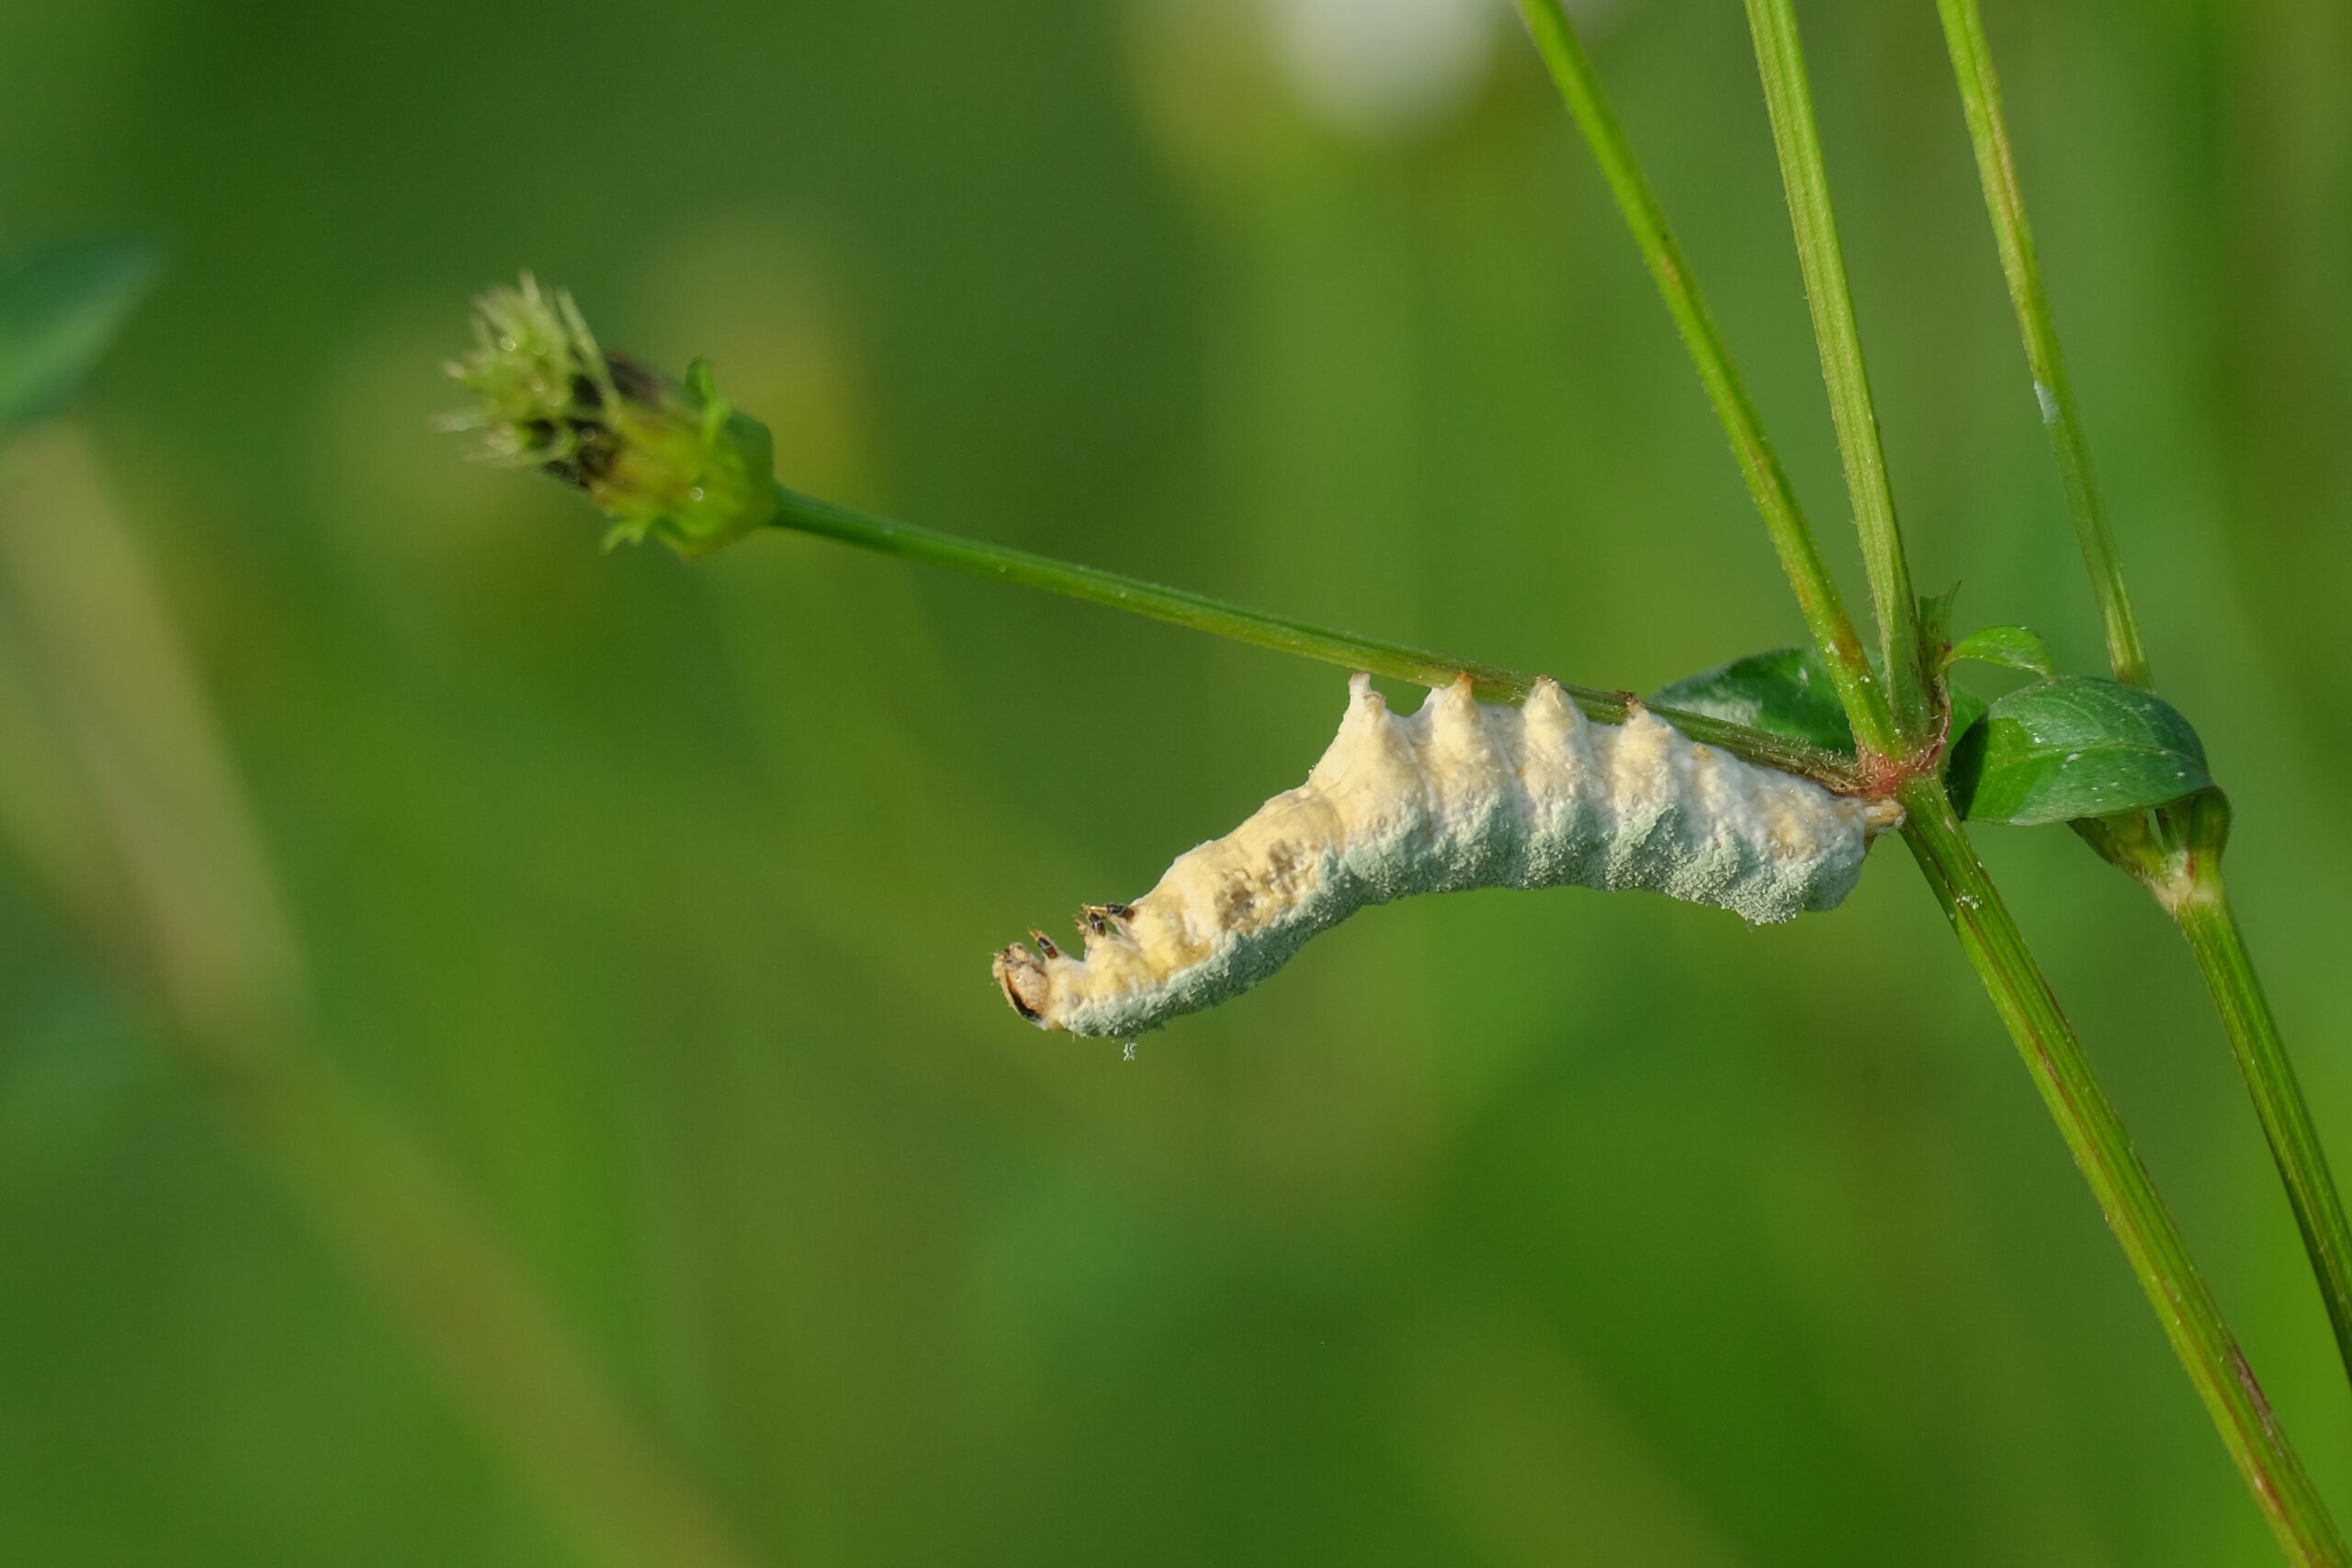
x,y
1457,795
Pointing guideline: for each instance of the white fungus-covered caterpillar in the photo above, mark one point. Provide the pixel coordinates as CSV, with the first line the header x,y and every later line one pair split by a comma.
x,y
1457,795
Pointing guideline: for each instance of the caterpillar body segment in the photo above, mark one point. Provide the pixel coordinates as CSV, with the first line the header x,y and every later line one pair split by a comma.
x,y
1456,794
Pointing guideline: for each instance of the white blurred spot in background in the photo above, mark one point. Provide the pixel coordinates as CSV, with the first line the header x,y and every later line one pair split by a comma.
x,y
1386,69
1369,71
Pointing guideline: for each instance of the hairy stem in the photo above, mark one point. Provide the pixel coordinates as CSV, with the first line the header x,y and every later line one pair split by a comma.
x,y
1768,483
1780,60
807,514
2053,390
2127,1196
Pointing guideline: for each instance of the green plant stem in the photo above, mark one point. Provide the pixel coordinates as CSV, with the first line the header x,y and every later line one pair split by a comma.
x,y
1780,60
2210,924
807,514
1768,483
2184,876
1980,97
2093,1132
2178,858
2127,1196
2175,854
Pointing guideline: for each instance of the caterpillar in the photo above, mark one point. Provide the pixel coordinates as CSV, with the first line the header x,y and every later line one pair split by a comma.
x,y
1457,795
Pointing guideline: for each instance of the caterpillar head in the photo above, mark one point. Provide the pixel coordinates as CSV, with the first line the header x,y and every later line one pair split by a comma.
x,y
1021,976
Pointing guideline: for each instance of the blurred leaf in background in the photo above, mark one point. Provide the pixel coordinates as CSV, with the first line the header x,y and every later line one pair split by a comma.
x,y
59,308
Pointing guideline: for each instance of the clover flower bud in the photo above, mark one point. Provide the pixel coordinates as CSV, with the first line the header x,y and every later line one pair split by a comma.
x,y
675,462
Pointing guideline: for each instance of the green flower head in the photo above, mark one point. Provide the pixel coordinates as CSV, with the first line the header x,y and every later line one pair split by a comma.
x,y
676,462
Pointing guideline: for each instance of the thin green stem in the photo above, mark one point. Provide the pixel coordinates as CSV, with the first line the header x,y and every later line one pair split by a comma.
x,y
2210,924
807,514
1780,60
1768,483
2127,1196
2173,857
1980,97
2087,1121
2175,854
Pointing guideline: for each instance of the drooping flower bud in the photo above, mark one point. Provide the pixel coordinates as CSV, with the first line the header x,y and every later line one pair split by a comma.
x,y
676,462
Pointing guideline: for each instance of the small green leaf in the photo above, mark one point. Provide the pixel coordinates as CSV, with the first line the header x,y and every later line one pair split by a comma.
x,y
60,307
2012,648
1968,710
2076,747
1786,691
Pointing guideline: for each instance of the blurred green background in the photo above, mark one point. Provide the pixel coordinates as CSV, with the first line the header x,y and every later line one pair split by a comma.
x,y
642,913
